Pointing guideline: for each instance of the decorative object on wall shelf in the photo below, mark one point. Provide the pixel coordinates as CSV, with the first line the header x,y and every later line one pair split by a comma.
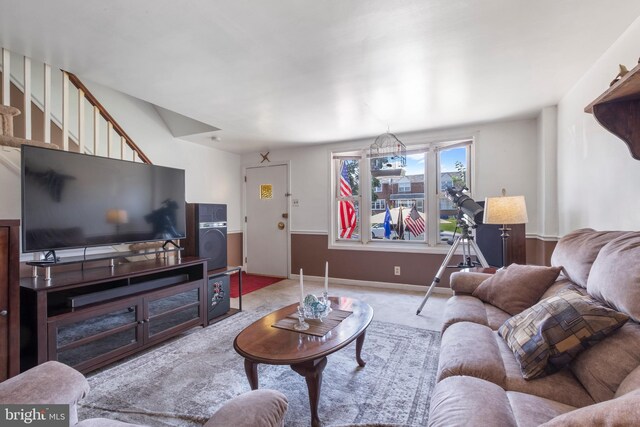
x,y
618,109
623,71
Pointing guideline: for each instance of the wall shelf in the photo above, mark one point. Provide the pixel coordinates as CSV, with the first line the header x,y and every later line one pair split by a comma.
x,y
618,110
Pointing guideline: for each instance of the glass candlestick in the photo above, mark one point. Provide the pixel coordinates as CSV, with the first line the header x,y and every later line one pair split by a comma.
x,y
301,325
326,301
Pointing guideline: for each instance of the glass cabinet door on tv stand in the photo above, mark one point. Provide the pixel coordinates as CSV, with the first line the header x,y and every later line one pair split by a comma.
x,y
89,337
89,318
86,338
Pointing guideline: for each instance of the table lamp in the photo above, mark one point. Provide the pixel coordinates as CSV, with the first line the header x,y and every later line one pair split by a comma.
x,y
117,217
505,211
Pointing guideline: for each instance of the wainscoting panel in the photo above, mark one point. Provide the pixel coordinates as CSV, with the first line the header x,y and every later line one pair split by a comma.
x,y
310,252
539,251
234,248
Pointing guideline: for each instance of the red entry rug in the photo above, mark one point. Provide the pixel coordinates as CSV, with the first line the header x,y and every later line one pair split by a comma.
x,y
250,283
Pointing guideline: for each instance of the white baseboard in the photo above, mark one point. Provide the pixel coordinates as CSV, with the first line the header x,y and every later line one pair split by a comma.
x,y
371,284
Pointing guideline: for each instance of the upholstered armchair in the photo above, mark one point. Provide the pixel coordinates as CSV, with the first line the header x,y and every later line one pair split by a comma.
x,y
56,383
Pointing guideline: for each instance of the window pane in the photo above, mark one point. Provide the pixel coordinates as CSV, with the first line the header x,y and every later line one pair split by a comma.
x,y
348,216
400,194
453,173
348,220
349,174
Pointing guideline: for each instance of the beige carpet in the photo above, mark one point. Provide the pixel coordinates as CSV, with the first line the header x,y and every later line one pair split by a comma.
x,y
183,382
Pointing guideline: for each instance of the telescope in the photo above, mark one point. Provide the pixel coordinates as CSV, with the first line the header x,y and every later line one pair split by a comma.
x,y
470,211
469,216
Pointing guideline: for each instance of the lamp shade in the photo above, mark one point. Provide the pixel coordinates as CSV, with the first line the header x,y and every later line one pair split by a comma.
x,y
505,210
117,216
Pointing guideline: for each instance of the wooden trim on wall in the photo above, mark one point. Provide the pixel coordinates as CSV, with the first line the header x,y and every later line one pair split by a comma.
x,y
539,251
310,251
103,111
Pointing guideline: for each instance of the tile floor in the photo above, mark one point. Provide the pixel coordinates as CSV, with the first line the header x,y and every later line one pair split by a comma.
x,y
389,305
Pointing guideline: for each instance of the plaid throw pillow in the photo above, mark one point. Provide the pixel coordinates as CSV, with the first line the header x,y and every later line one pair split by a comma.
x,y
547,336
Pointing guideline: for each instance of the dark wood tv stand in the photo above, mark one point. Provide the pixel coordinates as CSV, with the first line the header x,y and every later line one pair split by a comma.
x,y
90,317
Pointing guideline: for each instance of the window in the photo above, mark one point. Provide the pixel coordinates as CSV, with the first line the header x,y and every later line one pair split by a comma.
x,y
404,185
454,164
363,191
347,196
379,205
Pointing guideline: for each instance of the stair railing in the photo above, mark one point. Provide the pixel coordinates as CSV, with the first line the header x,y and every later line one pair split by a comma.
x,y
128,150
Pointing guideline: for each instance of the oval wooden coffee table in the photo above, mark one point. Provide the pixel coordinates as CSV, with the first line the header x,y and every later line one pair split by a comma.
x,y
306,354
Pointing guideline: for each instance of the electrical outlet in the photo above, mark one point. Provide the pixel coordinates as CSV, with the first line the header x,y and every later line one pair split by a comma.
x,y
396,270
295,203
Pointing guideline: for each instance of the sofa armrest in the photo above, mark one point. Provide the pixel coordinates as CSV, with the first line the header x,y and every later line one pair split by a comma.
x,y
50,382
257,408
465,282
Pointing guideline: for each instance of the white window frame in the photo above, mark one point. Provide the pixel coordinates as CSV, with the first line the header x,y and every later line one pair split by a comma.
x,y
431,146
402,185
380,204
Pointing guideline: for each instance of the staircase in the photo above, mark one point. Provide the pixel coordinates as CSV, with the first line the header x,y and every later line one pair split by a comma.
x,y
54,109
58,111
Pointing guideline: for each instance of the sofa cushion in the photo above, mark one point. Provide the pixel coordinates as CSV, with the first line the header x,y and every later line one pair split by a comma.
x,y
577,251
51,382
550,334
531,411
495,317
602,368
257,408
455,348
469,349
465,308
630,383
465,282
517,287
560,285
615,274
468,401
622,411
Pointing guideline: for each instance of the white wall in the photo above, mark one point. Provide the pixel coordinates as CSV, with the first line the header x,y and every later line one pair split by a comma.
x,y
598,180
548,173
212,176
506,156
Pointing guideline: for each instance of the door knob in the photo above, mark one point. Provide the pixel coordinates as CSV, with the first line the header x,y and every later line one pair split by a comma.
x,y
3,313
281,225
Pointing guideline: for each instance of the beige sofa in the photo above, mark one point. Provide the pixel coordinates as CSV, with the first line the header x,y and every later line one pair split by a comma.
x,y
56,383
479,381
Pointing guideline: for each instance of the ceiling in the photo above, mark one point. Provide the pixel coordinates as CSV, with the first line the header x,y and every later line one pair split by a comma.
x,y
277,73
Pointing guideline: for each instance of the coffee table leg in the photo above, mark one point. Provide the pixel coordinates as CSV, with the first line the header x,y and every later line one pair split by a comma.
x,y
312,373
251,369
359,342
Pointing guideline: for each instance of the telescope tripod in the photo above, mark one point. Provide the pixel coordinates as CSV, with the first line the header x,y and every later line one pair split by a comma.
x,y
468,243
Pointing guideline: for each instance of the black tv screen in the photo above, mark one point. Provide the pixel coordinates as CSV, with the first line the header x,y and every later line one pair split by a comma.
x,y
72,200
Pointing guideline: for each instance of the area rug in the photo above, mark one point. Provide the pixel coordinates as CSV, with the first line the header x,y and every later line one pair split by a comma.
x,y
183,382
250,283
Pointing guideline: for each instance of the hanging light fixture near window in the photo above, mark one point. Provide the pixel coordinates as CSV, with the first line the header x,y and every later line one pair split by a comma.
x,y
388,156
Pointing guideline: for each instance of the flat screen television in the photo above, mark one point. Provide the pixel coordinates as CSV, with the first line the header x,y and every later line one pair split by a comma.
x,y
72,200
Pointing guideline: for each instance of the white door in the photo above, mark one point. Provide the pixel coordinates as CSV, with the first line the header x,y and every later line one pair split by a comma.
x,y
267,223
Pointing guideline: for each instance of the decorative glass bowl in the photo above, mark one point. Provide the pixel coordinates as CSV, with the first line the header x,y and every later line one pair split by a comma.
x,y
316,308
